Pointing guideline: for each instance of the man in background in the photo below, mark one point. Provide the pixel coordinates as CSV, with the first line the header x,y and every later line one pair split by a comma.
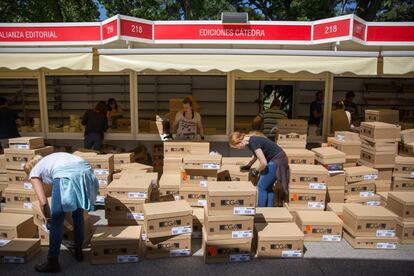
x,y
315,110
351,107
9,121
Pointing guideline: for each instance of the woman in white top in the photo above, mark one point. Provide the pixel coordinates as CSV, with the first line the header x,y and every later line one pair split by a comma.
x,y
187,123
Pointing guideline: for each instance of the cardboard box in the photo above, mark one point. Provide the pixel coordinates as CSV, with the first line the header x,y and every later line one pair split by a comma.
x,y
16,226
383,186
198,222
123,158
329,155
313,199
226,251
181,148
198,177
407,136
135,168
231,198
202,162
232,173
380,147
286,126
402,184
306,176
167,218
26,143
111,245
371,242
385,174
19,198
352,149
166,247
402,204
237,161
170,185
369,221
136,176
374,200
19,251
17,177
172,164
291,145
361,173
404,167
335,195
101,163
17,158
337,208
2,163
125,209
280,240
383,196
360,189
292,137
272,215
346,136
300,156
320,225
131,190
195,196
336,181
405,231
379,132
228,227
293,210
389,116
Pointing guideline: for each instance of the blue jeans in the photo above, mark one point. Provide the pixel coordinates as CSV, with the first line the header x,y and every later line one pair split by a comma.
x,y
265,185
56,225
93,141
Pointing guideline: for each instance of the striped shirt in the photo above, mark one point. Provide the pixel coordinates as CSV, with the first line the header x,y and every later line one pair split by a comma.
x,y
270,117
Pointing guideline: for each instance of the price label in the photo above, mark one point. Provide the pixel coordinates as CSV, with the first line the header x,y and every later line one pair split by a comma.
x,y
180,252
370,176
386,245
142,195
13,260
203,183
340,137
374,203
385,233
239,258
143,237
100,172
103,182
4,242
19,146
412,174
244,211
127,259
181,230
177,197
202,202
242,234
316,205
27,186
317,186
100,199
331,238
22,165
27,205
211,166
366,194
135,216
291,253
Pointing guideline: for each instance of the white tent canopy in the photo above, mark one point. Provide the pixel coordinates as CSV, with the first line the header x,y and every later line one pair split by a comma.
x,y
398,62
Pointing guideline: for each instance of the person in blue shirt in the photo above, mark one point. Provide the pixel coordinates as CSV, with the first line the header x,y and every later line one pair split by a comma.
x,y
9,121
74,189
315,109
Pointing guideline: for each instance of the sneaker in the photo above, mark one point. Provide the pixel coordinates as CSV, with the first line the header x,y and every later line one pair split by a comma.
x,y
50,266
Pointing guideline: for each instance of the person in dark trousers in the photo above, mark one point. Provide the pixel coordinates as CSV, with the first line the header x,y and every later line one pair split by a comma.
x,y
273,164
74,189
96,124
9,121
315,110
351,107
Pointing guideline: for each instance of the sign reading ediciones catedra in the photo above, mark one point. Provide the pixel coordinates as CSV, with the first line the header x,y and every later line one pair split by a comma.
x,y
348,27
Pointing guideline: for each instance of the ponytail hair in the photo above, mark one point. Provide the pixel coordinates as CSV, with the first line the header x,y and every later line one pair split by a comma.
x,y
31,163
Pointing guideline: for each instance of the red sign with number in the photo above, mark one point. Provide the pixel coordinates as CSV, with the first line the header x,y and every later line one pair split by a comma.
x,y
110,29
136,29
390,34
359,30
232,32
332,29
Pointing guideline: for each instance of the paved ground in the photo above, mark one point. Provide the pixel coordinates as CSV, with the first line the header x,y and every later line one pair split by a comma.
x,y
320,259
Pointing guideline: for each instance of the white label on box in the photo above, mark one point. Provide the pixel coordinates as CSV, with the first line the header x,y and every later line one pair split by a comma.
x,y
127,259
136,216
27,205
101,172
181,230
316,205
334,238
19,146
4,242
412,174
374,203
142,195
340,137
244,211
242,234
177,197
100,199
291,253
317,186
239,258
197,235
385,233
202,202
22,165
143,237
27,186
366,194
386,245
370,176
211,166
180,252
13,260
103,182
203,183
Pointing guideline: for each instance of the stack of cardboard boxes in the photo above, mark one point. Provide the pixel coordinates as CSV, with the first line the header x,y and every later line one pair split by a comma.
x,y
229,222
323,226
167,229
3,177
378,150
349,143
292,133
369,227
360,185
403,175
198,172
389,116
123,158
300,156
20,193
333,160
402,204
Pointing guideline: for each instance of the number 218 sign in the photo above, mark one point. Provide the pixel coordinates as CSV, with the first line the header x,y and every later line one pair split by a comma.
x,y
331,29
